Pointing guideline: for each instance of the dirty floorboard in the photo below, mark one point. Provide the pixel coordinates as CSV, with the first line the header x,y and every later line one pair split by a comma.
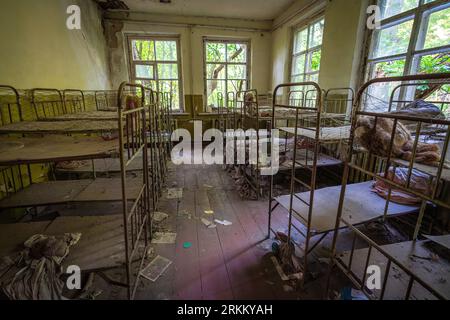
x,y
225,262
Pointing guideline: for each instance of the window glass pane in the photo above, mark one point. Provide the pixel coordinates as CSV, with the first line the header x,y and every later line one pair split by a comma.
x,y
215,88
434,63
236,85
215,71
388,69
172,88
166,50
237,52
313,77
298,64
300,41
144,71
143,50
393,40
215,52
299,78
316,34
314,63
391,8
236,71
438,31
167,71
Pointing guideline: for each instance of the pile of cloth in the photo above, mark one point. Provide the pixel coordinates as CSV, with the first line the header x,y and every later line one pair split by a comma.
x,y
419,182
378,139
35,272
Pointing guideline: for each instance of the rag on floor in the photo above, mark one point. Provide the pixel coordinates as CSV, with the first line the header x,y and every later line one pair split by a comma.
x,y
34,273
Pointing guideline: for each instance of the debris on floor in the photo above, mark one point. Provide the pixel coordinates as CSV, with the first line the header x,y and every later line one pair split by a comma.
x,y
155,268
208,224
185,214
158,217
349,293
209,212
174,193
187,245
34,273
223,222
164,238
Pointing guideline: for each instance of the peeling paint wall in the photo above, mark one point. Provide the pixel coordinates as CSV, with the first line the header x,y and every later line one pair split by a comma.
x,y
37,50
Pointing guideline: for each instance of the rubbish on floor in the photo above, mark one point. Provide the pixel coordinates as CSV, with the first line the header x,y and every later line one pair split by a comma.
x,y
34,273
155,268
287,288
174,193
185,213
223,222
208,186
349,293
150,252
187,245
209,212
164,238
159,216
208,223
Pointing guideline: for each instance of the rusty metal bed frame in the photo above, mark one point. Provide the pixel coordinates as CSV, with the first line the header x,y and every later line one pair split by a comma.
x,y
315,136
370,169
136,136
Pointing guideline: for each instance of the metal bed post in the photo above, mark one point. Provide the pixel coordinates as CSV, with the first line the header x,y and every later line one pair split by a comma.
x,y
135,219
9,105
384,177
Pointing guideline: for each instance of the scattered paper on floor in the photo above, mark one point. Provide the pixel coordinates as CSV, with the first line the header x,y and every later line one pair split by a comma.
x,y
155,268
174,193
164,237
223,222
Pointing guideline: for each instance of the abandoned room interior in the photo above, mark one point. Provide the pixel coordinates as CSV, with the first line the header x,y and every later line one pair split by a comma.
x,y
225,150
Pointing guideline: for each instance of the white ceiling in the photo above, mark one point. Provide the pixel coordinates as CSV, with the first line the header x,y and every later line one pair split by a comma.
x,y
243,9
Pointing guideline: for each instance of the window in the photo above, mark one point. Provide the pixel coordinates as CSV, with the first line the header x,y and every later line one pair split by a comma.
x,y
414,38
227,66
307,52
155,63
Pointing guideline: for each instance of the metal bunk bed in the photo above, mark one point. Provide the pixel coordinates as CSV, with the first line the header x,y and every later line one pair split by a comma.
x,y
137,193
311,213
412,269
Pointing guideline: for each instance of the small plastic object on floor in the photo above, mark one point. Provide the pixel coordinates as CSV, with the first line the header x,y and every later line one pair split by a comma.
x,y
187,245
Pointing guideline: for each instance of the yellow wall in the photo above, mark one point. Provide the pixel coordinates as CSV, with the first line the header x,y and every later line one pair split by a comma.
x,y
37,50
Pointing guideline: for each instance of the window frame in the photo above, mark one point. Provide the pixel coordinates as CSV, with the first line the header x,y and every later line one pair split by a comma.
x,y
308,52
247,64
132,63
418,34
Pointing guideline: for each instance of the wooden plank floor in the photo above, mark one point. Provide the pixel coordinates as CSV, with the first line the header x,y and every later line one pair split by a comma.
x,y
226,262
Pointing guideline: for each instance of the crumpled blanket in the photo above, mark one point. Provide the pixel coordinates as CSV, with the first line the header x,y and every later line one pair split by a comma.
x,y
34,273
421,108
419,183
378,141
